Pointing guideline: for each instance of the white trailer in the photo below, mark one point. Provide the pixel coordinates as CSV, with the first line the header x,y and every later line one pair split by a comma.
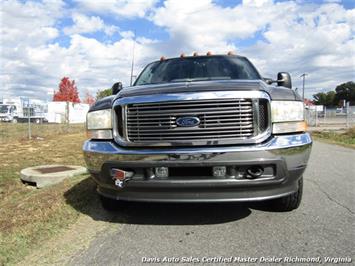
x,y
67,112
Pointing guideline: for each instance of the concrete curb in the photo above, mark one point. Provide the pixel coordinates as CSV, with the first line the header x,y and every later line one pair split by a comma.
x,y
47,175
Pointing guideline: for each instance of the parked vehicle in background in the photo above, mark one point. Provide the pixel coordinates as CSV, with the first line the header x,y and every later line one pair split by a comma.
x,y
199,129
16,111
340,111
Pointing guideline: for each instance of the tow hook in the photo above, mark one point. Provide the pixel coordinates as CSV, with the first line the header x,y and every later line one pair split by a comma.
x,y
121,177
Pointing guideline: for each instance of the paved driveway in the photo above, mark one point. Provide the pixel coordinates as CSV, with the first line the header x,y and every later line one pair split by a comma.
x,y
322,227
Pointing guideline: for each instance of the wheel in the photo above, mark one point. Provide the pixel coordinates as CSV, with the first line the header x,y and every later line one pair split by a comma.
x,y
14,120
37,121
290,202
110,204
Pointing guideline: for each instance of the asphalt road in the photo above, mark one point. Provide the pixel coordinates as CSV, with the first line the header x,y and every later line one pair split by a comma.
x,y
322,227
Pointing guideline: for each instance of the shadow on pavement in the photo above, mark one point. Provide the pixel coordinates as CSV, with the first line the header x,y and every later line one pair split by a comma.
x,y
83,198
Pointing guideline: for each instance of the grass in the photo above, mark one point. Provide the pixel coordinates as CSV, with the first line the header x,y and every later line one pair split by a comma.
x,y
346,138
29,216
10,132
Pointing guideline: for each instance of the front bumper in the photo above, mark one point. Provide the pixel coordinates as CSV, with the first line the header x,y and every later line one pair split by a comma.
x,y
5,119
287,154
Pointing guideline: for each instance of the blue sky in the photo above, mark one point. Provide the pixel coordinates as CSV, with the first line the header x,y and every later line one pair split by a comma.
x,y
92,41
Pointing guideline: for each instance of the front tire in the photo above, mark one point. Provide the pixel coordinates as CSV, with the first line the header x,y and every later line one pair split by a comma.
x,y
290,202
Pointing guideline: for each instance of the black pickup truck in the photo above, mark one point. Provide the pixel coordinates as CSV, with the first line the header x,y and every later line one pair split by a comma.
x,y
199,129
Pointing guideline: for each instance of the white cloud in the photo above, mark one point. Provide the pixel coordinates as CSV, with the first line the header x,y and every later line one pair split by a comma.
x,y
86,24
204,25
317,39
122,8
28,24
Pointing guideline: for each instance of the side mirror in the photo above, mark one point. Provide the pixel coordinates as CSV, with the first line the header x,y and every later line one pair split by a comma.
x,y
116,88
284,79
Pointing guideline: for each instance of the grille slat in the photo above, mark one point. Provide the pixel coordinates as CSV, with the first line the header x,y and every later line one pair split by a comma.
x,y
219,119
205,137
159,114
194,102
188,109
232,104
190,131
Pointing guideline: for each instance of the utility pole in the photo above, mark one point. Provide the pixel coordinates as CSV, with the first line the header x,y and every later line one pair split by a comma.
x,y
303,83
132,65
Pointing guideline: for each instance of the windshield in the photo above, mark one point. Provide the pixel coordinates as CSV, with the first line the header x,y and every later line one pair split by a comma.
x,y
197,69
4,108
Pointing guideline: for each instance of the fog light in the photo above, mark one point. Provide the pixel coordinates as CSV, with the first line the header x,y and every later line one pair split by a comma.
x,y
161,172
219,171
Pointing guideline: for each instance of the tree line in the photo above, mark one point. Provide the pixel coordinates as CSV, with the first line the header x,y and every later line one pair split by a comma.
x,y
344,91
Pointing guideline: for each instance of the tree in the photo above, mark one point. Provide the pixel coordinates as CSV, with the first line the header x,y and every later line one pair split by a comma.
x,y
329,99
323,98
320,98
103,93
67,92
89,99
345,91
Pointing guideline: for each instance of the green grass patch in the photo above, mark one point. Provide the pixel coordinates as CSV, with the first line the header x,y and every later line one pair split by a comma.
x,y
346,138
11,132
29,216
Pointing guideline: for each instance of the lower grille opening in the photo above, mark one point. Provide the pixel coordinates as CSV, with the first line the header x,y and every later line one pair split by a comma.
x,y
190,171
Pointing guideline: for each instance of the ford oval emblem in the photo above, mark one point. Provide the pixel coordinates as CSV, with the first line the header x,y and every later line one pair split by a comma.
x,y
187,121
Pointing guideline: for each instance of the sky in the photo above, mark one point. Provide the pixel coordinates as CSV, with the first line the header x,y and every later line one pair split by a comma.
x,y
92,42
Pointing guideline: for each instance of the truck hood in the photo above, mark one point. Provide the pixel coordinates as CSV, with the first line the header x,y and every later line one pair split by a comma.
x,y
276,93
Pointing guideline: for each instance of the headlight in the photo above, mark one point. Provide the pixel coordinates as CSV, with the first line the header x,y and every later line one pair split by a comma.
x,y
99,124
287,117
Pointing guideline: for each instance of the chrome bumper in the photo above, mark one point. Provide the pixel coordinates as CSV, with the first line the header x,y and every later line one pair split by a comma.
x,y
293,149
288,153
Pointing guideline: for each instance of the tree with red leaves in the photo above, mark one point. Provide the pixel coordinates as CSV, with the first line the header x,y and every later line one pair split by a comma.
x,y
89,99
67,92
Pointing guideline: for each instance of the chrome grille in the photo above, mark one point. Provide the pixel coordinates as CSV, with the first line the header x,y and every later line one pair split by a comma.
x,y
220,119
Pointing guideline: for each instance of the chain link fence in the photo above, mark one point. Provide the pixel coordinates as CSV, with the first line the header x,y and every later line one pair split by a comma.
x,y
332,118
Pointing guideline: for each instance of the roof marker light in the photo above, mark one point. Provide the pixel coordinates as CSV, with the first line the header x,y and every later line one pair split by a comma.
x,y
162,58
182,55
209,53
195,54
230,53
